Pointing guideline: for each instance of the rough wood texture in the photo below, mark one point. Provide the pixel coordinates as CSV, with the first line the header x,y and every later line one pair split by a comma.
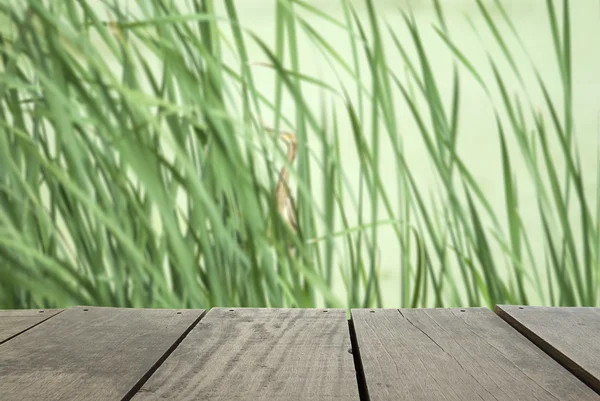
x,y
260,354
89,353
447,354
15,322
569,335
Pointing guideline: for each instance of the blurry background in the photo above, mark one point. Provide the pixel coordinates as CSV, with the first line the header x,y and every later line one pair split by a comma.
x,y
447,155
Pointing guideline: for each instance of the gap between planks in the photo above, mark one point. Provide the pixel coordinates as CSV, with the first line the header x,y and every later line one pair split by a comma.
x,y
578,371
363,390
160,361
50,316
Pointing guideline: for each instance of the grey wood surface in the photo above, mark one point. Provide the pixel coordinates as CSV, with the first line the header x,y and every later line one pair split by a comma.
x,y
569,335
17,321
448,354
88,353
260,354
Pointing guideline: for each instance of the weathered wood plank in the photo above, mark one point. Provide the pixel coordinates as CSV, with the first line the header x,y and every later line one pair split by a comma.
x,y
570,335
260,354
448,354
15,322
88,353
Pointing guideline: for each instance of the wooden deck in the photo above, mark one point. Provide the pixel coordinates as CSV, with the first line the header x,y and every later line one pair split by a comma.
x,y
92,353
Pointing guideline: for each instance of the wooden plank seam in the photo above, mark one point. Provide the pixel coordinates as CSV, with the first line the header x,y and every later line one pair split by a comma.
x,y
160,360
31,327
363,390
568,363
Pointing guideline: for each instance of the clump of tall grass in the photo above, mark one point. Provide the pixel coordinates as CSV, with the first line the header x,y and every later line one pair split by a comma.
x,y
135,169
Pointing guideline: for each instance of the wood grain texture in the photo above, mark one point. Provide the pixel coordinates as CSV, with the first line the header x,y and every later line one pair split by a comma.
x,y
15,322
88,353
570,335
260,354
448,354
